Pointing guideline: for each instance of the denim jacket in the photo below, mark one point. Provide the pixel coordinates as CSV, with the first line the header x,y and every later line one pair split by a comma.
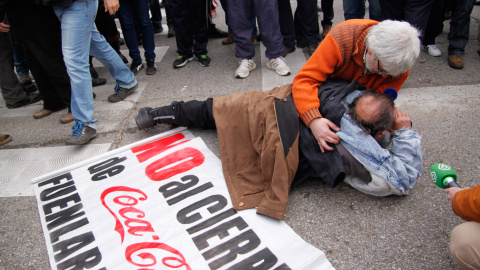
x,y
400,167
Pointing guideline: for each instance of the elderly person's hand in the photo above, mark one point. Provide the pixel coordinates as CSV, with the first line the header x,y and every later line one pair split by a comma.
x,y
322,130
401,121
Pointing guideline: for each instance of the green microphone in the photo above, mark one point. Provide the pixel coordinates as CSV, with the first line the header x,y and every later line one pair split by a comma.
x,y
443,176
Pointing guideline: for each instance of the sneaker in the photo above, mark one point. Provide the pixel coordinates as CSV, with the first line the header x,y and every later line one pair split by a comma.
x,y
151,68
432,50
279,65
29,99
81,134
121,93
246,65
135,67
288,50
25,79
171,32
455,61
181,61
204,60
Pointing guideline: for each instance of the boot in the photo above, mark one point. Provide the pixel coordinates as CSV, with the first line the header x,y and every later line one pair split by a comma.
x,y
148,117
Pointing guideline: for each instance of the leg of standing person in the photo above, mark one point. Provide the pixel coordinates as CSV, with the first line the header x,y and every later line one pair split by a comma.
x,y
199,26
168,13
239,19
156,17
354,9
307,29
20,62
126,15
327,8
434,28
43,51
459,32
108,28
183,32
11,88
141,9
269,27
392,9
374,10
287,27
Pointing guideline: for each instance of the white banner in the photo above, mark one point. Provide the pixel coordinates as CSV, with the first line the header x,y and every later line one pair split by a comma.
x,y
160,205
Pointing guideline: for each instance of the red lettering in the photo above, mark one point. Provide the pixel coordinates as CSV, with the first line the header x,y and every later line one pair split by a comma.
x,y
154,148
180,161
167,261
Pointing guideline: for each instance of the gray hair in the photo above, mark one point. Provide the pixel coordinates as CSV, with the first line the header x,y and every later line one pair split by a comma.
x,y
394,43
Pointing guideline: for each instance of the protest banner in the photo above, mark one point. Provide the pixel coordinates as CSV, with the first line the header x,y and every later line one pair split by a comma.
x,y
161,203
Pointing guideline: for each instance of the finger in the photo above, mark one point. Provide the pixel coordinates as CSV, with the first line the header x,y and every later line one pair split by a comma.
x,y
326,146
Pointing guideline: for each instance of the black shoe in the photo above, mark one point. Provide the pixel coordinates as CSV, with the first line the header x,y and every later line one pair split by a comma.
x,y
93,72
143,119
148,117
121,41
29,99
181,61
157,29
121,93
311,49
98,81
204,60
171,32
214,32
301,44
135,67
288,50
81,134
29,88
124,59
151,68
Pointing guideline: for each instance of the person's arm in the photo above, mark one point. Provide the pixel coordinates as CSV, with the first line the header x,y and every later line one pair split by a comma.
x,y
305,91
465,202
111,6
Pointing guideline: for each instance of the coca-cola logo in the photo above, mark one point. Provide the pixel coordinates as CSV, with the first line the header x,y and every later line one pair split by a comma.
x,y
133,227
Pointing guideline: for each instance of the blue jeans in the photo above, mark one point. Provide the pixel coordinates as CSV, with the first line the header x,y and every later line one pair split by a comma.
x,y
459,26
79,39
355,9
127,13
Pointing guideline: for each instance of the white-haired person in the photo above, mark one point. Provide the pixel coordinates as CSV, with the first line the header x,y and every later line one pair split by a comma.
x,y
378,55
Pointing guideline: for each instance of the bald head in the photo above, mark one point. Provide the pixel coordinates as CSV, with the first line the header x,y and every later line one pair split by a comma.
x,y
372,111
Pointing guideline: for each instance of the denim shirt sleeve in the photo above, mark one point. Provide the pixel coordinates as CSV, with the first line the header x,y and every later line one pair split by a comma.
x,y
401,166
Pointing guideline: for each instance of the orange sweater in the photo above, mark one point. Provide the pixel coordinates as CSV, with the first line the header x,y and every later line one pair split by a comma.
x,y
466,204
339,55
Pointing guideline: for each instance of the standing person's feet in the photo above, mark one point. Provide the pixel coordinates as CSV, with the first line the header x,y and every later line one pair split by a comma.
x,y
171,32
432,50
124,59
279,65
455,61
29,99
98,81
326,30
5,138
151,68
81,134
135,67
288,50
181,61
311,49
204,60
157,29
228,40
246,65
214,32
67,118
44,112
121,93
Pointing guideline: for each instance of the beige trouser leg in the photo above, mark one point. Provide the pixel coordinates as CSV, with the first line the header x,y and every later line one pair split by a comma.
x,y
465,245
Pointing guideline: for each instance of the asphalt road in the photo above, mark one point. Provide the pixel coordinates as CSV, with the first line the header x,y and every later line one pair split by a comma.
x,y
356,231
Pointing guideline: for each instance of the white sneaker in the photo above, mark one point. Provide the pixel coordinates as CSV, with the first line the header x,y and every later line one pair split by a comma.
x,y
432,50
246,65
279,65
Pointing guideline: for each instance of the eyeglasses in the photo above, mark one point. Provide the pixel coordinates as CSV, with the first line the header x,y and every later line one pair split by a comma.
x,y
380,71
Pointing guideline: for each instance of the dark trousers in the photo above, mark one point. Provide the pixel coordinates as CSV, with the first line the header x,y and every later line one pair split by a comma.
x,y
190,20
416,12
192,113
435,22
327,9
459,26
12,91
39,29
239,19
303,27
